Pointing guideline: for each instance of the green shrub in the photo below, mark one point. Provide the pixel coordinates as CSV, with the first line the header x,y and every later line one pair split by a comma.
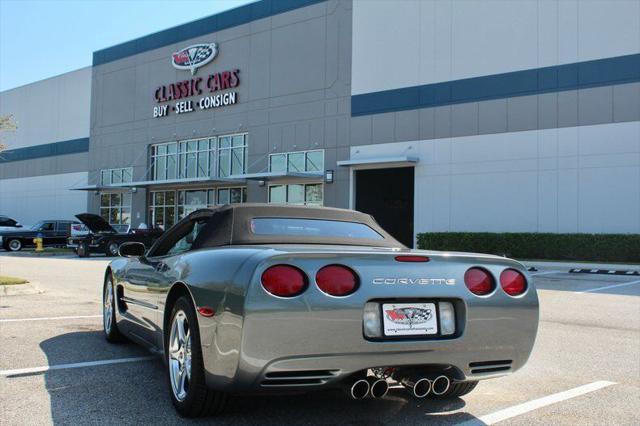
x,y
587,247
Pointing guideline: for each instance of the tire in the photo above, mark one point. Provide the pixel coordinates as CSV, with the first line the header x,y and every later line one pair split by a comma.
x,y
111,248
457,389
14,244
83,250
109,310
190,396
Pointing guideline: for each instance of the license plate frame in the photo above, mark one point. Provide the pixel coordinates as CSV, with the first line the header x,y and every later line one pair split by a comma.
x,y
407,319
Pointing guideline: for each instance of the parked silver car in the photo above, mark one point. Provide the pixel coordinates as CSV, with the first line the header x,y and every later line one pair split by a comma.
x,y
265,298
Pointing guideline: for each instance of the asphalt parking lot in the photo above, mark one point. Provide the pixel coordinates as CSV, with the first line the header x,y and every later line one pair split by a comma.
x,y
55,366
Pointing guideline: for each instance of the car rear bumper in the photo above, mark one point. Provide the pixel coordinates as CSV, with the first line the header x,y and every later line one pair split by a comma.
x,y
275,351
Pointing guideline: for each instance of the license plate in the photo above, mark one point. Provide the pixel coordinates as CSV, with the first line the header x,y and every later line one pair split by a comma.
x,y
409,319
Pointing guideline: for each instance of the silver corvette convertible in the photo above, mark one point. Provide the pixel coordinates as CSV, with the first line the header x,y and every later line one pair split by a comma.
x,y
258,298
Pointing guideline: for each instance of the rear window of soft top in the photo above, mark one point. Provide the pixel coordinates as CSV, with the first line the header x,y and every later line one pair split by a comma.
x,y
312,228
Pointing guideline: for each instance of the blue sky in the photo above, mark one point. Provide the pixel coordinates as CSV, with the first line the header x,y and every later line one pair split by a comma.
x,y
41,39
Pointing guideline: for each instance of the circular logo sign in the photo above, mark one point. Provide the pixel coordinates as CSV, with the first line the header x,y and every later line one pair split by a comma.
x,y
193,57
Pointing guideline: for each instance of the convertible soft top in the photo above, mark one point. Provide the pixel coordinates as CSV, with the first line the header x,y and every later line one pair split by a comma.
x,y
245,224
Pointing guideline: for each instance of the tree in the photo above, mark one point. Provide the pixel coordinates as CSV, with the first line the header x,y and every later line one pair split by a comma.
x,y
7,124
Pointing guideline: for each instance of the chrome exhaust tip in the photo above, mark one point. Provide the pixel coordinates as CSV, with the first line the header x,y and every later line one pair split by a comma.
x,y
440,385
419,388
359,389
379,388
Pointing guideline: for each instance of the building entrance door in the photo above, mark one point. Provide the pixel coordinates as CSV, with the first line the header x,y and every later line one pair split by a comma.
x,y
387,195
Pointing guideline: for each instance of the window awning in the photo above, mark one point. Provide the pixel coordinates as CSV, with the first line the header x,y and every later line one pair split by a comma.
x,y
267,176
167,182
364,161
99,188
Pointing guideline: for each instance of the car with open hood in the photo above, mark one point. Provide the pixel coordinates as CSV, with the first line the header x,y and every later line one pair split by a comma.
x,y
255,298
106,238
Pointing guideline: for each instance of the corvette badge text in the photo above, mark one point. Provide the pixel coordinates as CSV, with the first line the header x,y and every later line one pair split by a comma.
x,y
418,281
191,58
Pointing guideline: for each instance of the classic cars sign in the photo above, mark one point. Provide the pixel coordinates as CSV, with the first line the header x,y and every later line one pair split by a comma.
x,y
215,86
193,57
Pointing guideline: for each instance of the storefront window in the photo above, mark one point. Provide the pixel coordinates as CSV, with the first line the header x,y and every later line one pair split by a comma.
x,y
309,194
278,162
278,194
313,194
314,161
190,201
295,162
167,207
163,159
115,208
163,209
127,174
194,158
232,153
208,157
114,176
301,161
232,195
295,194
224,156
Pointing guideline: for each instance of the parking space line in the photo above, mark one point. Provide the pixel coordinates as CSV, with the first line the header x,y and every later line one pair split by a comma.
x,y
545,273
49,318
609,286
526,407
46,368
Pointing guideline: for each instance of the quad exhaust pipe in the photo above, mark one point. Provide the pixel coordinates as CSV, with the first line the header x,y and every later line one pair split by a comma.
x,y
440,385
370,386
378,387
359,389
420,387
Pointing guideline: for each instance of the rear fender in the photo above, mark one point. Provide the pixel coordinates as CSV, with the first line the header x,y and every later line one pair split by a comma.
x,y
219,279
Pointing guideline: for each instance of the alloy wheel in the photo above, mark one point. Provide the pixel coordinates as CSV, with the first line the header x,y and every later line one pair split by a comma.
x,y
180,355
15,245
113,249
107,310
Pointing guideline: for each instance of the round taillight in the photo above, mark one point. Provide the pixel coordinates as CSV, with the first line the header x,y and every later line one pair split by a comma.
x,y
513,282
284,281
479,281
337,280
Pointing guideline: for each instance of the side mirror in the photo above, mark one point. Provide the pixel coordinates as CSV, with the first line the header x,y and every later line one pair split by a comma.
x,y
132,249
18,225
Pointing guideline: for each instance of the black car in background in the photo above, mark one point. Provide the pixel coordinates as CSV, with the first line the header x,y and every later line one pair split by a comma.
x,y
105,238
8,224
53,232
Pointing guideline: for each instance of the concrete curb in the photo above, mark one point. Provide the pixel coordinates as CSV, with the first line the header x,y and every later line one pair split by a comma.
x,y
33,254
20,289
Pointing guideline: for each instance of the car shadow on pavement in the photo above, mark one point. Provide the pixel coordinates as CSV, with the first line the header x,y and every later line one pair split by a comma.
x,y
138,392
